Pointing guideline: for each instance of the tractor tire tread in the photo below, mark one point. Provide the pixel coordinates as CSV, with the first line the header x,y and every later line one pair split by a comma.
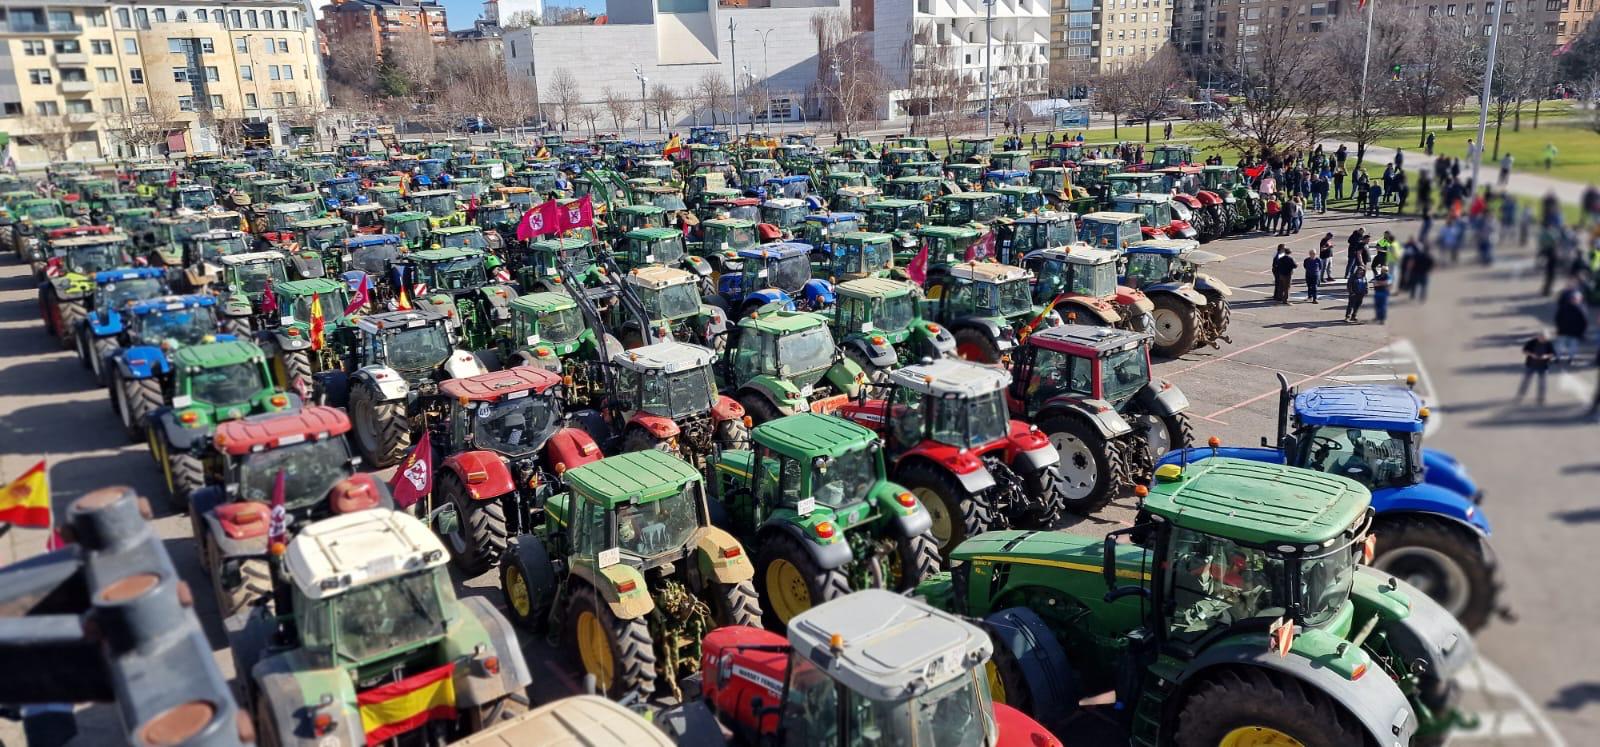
x,y
1482,572
1245,696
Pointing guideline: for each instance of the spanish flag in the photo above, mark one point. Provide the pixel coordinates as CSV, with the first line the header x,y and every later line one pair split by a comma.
x,y
26,501
543,154
400,707
673,146
318,339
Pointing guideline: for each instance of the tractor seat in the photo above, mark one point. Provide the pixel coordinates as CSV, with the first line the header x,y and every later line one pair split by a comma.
x,y
356,493
244,519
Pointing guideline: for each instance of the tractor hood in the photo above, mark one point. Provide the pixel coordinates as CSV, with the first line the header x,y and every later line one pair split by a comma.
x,y
1128,296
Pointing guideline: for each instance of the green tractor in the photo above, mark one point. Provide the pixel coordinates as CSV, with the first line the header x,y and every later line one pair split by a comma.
x,y
900,218
985,304
31,217
1242,611
243,290
410,226
440,205
294,347
783,362
325,238
660,246
629,567
366,642
459,237
857,254
457,284
549,331
670,305
813,498
541,265
878,325
69,280
210,383
721,241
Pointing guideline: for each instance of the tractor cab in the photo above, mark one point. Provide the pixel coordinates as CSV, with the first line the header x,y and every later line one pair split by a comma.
x,y
430,172
895,215
1368,433
855,145
411,227
172,322
453,271
1046,230
724,240
1010,160
786,214
1158,213
320,234
439,204
878,323
196,197
1017,201
373,254
546,258
921,188
967,208
458,237
796,187
854,199
859,254
1110,230
983,302
499,219
756,173
342,190
1083,363
999,177
666,197
897,156
708,157
837,180
386,196
1095,173
947,245
220,381
1123,183
821,229
114,289
973,150
1162,156
655,169
203,253
467,188
670,298
1083,280
548,326
252,273
632,217
774,272
656,246
281,216
363,218
521,198
1158,261
734,206
674,381
778,361
86,255
932,169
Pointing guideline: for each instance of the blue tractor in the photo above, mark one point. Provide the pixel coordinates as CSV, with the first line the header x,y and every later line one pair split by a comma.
x,y
774,272
341,191
430,174
1430,529
138,371
100,331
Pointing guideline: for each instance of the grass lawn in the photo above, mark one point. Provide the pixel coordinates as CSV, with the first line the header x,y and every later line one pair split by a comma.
x,y
1577,148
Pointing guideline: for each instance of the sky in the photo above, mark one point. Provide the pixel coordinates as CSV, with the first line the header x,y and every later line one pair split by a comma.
x,y
461,13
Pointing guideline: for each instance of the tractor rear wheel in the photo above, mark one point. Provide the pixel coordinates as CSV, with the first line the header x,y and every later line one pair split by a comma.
x,y
185,474
135,398
71,316
100,352
733,434
736,604
1160,434
874,374
619,653
480,536
255,579
382,430
296,366
1090,467
918,556
80,340
640,439
1447,563
237,326
1248,706
791,582
758,407
956,513
974,345
1176,326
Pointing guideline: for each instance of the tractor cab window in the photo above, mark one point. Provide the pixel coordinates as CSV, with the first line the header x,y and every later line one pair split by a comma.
x,y
1147,269
97,258
560,326
957,712
753,356
465,240
844,479
970,422
189,326
210,250
1371,457
412,230
310,469
666,252
459,274
344,191
1124,373
647,529
375,618
417,348
333,303
789,274
851,314
515,426
1324,583
197,199
114,295
374,259
677,395
255,277
226,385
736,238
1056,373
672,302
1216,583
804,352
810,706
895,313
1007,298
323,237
866,257
439,206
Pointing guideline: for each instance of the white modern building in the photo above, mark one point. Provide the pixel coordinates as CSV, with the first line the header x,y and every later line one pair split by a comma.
x,y
505,12
676,43
965,34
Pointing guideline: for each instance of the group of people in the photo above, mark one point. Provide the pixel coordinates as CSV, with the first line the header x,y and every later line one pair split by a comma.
x,y
1367,271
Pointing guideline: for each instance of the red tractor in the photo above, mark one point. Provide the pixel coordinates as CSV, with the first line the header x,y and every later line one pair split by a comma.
x,y
501,444
1210,219
950,441
869,663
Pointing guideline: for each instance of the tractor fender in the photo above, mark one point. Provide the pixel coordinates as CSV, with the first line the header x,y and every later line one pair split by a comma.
x,y
1097,412
1129,297
662,428
878,355
1375,702
1095,308
462,364
827,557
1031,460
697,265
1426,631
625,605
716,322
143,362
237,305
482,473
1199,453
179,438
1207,284
208,503
571,447
476,685
105,323
1443,471
904,521
291,685
1160,398
1003,337
818,293
720,556
941,343
726,408
289,343
1184,291
1423,498
765,296
730,285
1043,662
384,379
973,476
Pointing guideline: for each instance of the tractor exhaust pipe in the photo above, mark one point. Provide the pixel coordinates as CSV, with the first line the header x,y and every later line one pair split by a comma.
x,y
1285,398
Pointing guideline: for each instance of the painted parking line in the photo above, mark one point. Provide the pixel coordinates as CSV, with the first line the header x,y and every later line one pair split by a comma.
x,y
1231,354
1506,713
1274,391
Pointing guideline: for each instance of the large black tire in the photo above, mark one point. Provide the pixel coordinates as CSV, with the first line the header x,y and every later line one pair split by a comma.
x,y
255,580
758,407
527,578
962,514
974,345
185,474
1445,561
918,556
1159,434
791,582
296,366
640,439
81,346
736,604
733,434
1045,504
480,536
100,351
1177,325
71,316
237,326
1090,468
627,643
134,399
381,428
1248,700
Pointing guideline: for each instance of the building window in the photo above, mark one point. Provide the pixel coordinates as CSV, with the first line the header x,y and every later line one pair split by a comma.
x,y
186,103
74,75
1080,20
97,18
245,73
267,20
241,45
288,72
47,108
130,46
1552,5
136,76
180,75
106,74
283,19
283,45
39,77
212,75
141,18
182,17
216,101
111,106
141,104
123,20
277,100
234,16
206,46
80,106
291,99
267,45
33,47
272,72
67,46
1467,9
100,46
252,19
250,100
11,109
161,15
175,46
200,16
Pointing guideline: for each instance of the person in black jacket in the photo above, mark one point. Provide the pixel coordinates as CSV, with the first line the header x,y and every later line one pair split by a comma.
x,y
1283,266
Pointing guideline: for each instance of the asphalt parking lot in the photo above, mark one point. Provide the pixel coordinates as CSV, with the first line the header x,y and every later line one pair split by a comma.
x,y
1529,690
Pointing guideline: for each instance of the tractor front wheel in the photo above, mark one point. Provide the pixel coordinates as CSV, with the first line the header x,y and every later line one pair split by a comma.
x,y
733,434
480,536
382,430
1176,326
974,345
640,439
82,347
737,604
1248,706
619,653
1447,563
1090,467
255,579
185,474
918,556
100,351
527,579
237,326
759,407
71,316
296,366
135,398
956,513
1160,434
791,580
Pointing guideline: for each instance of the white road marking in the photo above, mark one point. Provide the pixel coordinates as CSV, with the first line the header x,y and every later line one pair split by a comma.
x,y
1489,681
1498,725
1368,377
1567,382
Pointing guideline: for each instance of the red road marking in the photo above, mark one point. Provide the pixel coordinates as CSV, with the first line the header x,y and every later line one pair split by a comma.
x,y
1271,392
1247,349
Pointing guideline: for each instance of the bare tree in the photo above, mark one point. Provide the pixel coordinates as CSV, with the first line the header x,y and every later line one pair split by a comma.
x,y
757,100
591,114
410,60
848,76
563,93
1150,85
352,85
1113,96
51,133
144,128
713,92
1431,70
619,106
1520,64
519,104
1365,120
665,101
1285,106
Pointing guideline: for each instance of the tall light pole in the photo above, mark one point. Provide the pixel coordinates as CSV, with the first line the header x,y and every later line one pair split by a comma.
x,y
1483,100
644,106
766,74
1366,55
733,52
988,68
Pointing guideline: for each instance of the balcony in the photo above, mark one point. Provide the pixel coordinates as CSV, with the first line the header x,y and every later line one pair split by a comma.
x,y
71,58
23,25
76,86
79,118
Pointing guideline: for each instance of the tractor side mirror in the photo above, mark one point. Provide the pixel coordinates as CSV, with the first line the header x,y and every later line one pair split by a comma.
x,y
1108,567
1264,441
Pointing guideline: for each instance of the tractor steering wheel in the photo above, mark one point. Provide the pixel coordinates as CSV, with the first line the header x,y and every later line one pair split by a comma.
x,y
1322,446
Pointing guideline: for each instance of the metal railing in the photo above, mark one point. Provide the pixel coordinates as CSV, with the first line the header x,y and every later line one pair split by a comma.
x,y
30,26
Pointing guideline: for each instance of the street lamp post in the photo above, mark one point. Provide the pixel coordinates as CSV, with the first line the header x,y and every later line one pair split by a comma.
x,y
1483,100
733,52
644,106
988,68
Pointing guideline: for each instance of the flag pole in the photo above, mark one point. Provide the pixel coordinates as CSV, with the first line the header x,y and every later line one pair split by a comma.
x,y
1483,99
1366,55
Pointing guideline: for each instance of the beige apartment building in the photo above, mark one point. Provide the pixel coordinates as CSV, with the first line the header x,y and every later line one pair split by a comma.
x,y
188,70
1089,37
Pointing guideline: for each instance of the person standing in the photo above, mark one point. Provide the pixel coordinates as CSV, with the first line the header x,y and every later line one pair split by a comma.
x,y
1282,274
1356,251
1358,186
1424,194
1338,181
1505,168
1417,274
1428,148
1380,293
1549,155
1356,291
1319,193
1325,253
1572,321
1297,213
1273,210
1536,356
1314,271
1340,154
1374,198
1385,248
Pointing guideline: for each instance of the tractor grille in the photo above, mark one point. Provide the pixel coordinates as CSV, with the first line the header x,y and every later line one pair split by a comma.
x,y
1008,498
695,433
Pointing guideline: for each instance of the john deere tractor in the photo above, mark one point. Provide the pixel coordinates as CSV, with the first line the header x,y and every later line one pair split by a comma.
x,y
878,325
722,241
984,305
660,246
458,285
411,226
69,280
244,290
101,330
440,205
783,362
812,497
630,569
1223,621
297,347
366,641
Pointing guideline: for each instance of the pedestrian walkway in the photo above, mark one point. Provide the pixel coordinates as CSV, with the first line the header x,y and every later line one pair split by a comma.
x,y
1521,183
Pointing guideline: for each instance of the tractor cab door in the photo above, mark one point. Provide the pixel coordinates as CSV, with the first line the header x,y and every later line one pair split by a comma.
x,y
1215,587
591,530
1056,375
906,418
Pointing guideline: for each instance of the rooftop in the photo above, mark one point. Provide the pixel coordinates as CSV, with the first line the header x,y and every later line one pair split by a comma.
x,y
642,475
951,377
1258,502
367,546
1388,408
891,647
668,357
497,385
807,435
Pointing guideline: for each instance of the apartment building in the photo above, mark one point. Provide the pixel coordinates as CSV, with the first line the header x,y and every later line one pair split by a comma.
x,y
87,67
965,34
363,29
1089,37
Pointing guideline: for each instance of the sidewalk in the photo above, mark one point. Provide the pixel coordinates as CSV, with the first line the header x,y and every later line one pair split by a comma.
x,y
1522,184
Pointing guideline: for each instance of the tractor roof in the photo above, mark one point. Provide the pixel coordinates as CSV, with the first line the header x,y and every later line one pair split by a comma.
x,y
636,475
309,286
654,234
1257,502
262,432
891,647
130,273
808,435
561,244
1143,198
779,250
73,242
498,385
388,321
893,203
949,377
248,258
1079,253
453,230
405,215
216,354
433,192
1386,408
444,254
543,302
783,203
730,223
1133,175
950,232
1048,216
370,239
863,237
318,222
645,209
966,196
365,207
668,357
171,303
870,287
1169,247
1102,162
1074,338
828,219
783,322
335,554
988,272
217,234
574,720
1112,216
656,277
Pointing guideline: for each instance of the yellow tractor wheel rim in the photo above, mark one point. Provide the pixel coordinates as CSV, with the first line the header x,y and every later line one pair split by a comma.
x,y
942,528
787,589
594,648
997,687
517,592
1258,736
